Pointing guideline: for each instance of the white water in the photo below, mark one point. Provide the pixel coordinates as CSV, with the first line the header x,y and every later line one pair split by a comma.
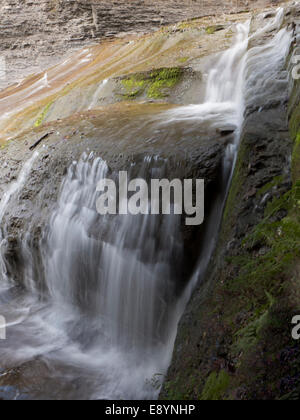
x,y
111,285
97,94
223,105
108,320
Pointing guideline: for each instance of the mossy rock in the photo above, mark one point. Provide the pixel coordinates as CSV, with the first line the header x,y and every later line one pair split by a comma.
x,y
215,386
296,159
155,84
210,30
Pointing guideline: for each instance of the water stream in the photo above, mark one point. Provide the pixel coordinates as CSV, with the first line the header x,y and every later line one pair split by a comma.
x,y
105,323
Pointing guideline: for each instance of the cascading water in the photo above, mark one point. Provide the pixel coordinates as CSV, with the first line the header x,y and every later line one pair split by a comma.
x,y
223,104
97,94
105,322
115,269
111,289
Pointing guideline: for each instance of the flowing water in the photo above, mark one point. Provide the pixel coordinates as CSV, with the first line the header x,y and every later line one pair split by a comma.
x,y
97,94
104,323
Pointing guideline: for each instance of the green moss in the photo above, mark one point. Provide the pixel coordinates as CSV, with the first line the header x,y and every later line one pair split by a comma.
x,y
295,122
249,335
274,183
134,87
269,254
156,84
258,281
183,60
280,240
42,116
162,80
297,192
296,159
215,386
172,391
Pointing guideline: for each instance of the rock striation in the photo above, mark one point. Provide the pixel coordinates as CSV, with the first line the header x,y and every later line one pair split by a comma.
x,y
37,34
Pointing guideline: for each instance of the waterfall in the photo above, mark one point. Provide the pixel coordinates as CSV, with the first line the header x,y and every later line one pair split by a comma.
x,y
223,104
110,289
104,322
13,189
115,268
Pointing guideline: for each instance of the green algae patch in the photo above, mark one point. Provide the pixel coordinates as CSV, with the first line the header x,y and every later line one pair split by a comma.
x,y
248,336
210,30
133,87
267,277
267,281
296,159
183,60
271,250
155,84
294,110
43,115
162,81
278,241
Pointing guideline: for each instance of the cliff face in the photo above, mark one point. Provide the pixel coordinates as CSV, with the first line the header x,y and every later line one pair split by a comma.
x,y
234,341
37,34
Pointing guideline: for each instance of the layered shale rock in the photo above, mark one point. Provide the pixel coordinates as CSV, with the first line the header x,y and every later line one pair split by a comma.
x,y
37,34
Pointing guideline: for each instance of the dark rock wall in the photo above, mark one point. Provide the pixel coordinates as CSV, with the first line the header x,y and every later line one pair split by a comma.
x,y
234,340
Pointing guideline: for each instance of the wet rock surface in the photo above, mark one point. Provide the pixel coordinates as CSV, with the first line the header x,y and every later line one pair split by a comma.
x,y
206,359
120,139
36,34
121,136
113,71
